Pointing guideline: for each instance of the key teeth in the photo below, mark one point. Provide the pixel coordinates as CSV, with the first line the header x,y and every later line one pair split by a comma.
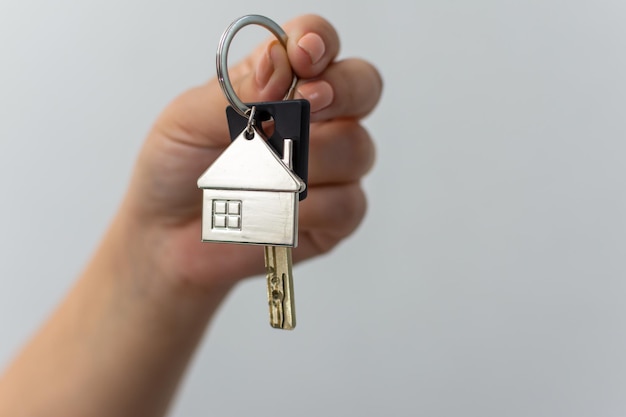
x,y
283,326
282,314
280,287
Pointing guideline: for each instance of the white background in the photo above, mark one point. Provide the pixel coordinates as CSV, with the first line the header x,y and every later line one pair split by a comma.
x,y
488,278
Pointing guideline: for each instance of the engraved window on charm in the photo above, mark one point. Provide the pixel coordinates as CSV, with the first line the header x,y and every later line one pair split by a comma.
x,y
227,214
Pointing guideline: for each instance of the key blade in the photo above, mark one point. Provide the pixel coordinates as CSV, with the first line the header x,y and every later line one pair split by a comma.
x,y
278,266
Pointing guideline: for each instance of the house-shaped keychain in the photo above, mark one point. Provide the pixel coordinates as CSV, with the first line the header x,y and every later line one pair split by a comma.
x,y
250,194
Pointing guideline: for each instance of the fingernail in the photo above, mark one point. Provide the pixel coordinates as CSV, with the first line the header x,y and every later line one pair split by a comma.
x,y
319,94
265,66
313,45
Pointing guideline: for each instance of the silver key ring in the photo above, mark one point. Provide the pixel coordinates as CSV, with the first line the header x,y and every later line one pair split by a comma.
x,y
222,57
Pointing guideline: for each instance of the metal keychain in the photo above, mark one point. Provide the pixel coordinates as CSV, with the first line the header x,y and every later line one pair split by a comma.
x,y
251,191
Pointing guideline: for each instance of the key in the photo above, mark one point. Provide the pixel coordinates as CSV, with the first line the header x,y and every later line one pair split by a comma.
x,y
278,265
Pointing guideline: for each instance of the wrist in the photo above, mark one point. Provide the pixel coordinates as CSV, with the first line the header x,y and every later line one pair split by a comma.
x,y
134,256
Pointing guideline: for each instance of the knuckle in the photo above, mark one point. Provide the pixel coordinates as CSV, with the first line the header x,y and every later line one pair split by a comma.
x,y
350,209
363,149
359,148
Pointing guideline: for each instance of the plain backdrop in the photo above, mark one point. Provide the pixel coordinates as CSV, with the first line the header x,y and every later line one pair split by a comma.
x,y
489,276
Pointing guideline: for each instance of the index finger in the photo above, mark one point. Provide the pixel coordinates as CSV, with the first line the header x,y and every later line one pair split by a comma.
x,y
312,45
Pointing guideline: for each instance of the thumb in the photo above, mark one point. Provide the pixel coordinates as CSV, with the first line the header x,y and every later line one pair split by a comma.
x,y
270,78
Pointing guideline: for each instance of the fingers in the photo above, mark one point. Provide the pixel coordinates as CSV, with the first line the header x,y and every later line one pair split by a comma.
x,y
348,88
312,44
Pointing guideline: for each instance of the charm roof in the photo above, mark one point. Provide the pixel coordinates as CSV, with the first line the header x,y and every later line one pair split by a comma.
x,y
250,164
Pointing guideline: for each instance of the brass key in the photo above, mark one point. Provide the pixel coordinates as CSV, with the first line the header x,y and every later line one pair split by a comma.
x,y
280,287
278,267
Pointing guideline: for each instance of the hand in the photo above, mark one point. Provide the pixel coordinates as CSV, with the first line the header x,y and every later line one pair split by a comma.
x,y
126,331
162,210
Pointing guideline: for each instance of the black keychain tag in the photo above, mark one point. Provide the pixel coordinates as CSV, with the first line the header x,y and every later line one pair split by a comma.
x,y
291,121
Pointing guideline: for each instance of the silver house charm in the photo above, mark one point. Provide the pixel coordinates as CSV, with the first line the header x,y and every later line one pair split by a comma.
x,y
250,194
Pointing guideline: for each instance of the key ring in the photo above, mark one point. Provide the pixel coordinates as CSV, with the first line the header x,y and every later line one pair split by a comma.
x,y
222,57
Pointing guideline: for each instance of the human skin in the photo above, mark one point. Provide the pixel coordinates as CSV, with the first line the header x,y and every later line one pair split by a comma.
x,y
121,339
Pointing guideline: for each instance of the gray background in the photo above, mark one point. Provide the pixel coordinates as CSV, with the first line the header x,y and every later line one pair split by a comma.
x,y
488,276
